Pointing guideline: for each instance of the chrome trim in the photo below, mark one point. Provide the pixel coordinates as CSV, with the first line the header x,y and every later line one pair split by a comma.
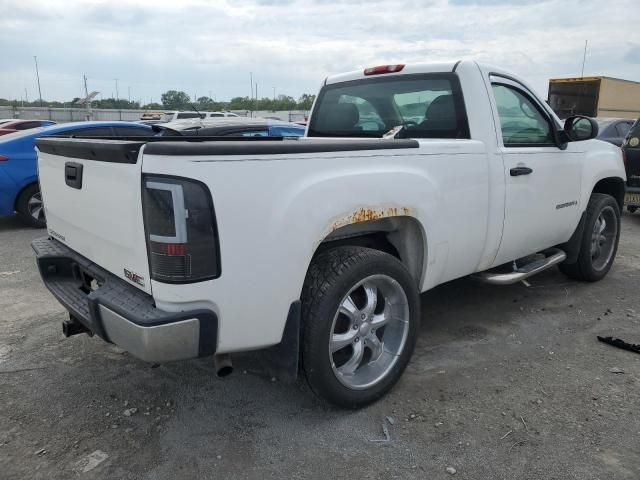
x,y
156,344
555,256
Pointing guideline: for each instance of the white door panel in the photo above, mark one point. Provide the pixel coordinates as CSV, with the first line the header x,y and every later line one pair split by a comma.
x,y
542,189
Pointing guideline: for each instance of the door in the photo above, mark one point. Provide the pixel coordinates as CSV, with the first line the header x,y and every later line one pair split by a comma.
x,y
542,182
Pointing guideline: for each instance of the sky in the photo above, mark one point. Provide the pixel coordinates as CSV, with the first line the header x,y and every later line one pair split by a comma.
x,y
211,47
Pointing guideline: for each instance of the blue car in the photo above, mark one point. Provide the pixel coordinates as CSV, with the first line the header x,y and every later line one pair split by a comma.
x,y
19,189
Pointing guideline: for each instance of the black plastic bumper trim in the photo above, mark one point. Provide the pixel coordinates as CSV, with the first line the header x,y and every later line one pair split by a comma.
x,y
62,269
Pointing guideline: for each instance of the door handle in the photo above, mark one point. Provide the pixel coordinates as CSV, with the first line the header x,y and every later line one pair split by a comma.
x,y
517,171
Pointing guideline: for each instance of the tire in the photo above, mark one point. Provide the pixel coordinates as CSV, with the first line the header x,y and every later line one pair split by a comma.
x,y
30,208
631,209
351,297
599,242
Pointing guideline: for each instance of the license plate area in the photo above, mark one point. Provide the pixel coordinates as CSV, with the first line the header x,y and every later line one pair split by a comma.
x,y
86,281
632,199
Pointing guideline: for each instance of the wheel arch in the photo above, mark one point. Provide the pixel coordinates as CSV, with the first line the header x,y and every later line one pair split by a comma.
x,y
20,191
402,236
614,186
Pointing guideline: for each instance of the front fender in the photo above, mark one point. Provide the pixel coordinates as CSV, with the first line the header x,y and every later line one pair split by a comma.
x,y
602,160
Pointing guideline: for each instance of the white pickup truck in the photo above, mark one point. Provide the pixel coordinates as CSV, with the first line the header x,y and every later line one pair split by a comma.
x,y
178,247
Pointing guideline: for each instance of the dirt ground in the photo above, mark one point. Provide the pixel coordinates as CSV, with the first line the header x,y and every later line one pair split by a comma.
x,y
506,383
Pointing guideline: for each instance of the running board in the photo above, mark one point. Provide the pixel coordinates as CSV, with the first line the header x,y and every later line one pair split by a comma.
x,y
553,257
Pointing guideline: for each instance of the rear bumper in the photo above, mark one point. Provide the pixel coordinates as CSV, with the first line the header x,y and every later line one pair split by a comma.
x,y
120,313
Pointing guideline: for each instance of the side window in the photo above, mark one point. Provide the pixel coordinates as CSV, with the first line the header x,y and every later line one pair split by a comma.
x,y
521,122
184,115
216,115
87,132
132,132
27,125
622,129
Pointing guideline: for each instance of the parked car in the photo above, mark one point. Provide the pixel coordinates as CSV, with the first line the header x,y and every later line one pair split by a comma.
x,y
173,116
319,247
151,117
231,127
220,115
19,190
631,153
11,126
613,130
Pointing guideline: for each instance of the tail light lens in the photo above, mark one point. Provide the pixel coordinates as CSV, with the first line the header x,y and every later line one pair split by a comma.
x,y
3,158
181,231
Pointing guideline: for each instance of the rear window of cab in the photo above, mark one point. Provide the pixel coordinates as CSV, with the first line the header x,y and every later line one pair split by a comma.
x,y
426,105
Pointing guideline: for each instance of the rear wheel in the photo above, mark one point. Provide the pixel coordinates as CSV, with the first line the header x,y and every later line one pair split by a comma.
x,y
30,207
360,315
631,209
599,241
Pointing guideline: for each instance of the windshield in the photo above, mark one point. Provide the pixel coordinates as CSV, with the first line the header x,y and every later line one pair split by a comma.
x,y
428,106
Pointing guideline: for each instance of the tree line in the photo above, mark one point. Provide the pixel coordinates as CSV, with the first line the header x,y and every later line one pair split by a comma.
x,y
178,100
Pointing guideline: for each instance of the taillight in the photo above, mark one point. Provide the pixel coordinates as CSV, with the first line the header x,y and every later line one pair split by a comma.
x,y
380,69
3,158
180,229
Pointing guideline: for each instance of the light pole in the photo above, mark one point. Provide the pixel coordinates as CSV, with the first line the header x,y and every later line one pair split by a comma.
x,y
35,58
117,94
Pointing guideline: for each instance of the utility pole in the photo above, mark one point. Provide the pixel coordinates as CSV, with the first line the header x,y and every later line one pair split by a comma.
x,y
274,94
35,58
584,57
87,100
26,96
129,93
251,101
117,94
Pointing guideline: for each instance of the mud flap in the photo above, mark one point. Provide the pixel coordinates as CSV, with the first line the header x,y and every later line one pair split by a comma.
x,y
572,247
282,360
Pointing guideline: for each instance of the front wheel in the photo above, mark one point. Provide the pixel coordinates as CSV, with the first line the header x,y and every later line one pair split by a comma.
x,y
599,241
631,209
361,313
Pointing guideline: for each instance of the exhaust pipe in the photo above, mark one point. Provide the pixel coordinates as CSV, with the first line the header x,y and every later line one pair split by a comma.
x,y
223,365
74,327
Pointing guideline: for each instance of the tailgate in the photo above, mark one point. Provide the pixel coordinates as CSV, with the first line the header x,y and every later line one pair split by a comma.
x,y
92,196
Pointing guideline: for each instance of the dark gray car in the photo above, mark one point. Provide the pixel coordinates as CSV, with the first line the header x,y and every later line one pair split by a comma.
x,y
613,130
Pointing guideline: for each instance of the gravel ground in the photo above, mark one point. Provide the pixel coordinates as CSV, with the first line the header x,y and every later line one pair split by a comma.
x,y
506,383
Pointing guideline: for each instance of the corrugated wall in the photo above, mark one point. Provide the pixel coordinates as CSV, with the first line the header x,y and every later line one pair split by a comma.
x,y
62,115
619,98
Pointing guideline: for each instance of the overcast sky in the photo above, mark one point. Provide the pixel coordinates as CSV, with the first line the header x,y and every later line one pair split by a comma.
x,y
204,46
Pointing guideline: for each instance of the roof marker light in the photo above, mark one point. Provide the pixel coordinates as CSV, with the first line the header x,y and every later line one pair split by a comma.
x,y
381,69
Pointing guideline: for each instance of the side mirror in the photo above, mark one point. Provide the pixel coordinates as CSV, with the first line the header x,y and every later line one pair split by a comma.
x,y
578,128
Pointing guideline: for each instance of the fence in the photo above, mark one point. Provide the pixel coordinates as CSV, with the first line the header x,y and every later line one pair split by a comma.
x,y
62,115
